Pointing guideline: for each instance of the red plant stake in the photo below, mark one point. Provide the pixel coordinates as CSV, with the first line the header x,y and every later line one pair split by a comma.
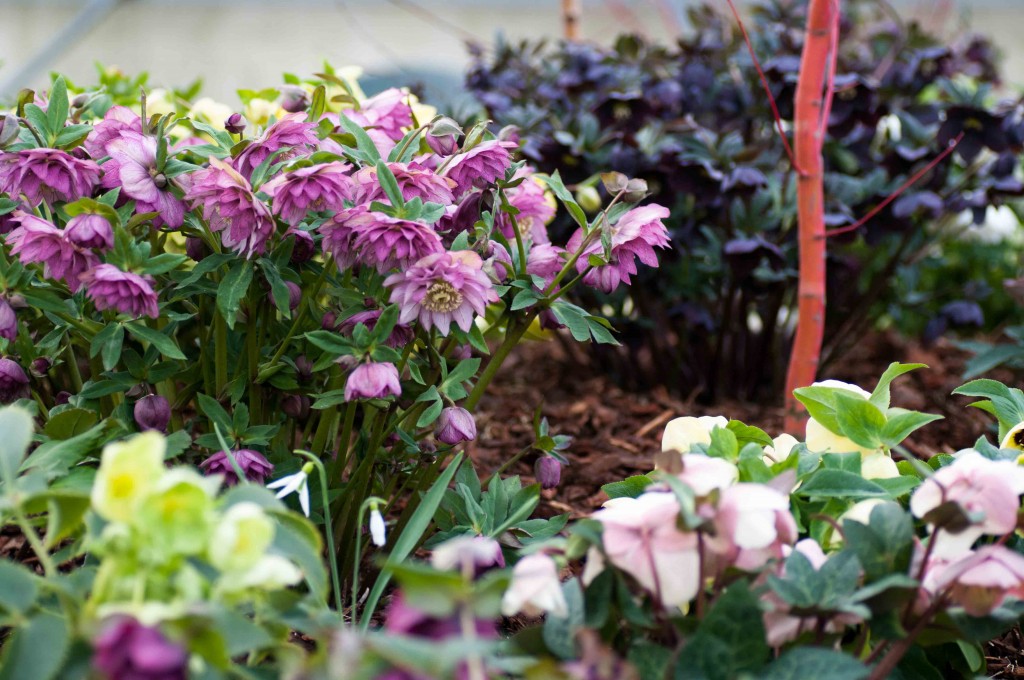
x,y
809,134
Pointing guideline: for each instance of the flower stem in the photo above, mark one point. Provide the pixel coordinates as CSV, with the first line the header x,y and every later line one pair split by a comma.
x,y
512,338
332,556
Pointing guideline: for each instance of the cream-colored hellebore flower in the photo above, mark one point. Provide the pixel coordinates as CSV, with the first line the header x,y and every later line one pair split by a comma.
x,y
259,110
875,463
878,465
682,433
178,514
210,111
780,449
241,538
159,101
535,588
705,474
129,470
271,572
859,512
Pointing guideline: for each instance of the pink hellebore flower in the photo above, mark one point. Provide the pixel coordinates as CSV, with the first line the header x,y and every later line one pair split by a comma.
x,y
90,231
545,260
634,236
339,235
705,474
387,112
535,588
754,525
442,288
480,166
253,464
118,119
373,380
535,209
981,581
230,206
36,240
132,166
110,288
293,130
989,488
47,174
315,188
641,537
387,242
414,181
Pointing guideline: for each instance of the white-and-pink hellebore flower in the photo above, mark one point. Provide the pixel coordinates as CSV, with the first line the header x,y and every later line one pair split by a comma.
x,y
987,488
535,588
753,525
641,537
705,474
981,581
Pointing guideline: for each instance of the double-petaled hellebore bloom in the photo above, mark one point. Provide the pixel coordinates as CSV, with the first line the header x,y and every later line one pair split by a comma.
x,y
152,412
480,166
753,525
47,174
127,650
90,231
634,236
386,242
455,425
373,380
981,581
254,465
231,208
442,288
315,188
110,288
36,240
13,381
292,130
8,320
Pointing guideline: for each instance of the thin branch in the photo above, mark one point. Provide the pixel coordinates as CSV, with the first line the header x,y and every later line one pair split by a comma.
x,y
894,195
830,91
764,83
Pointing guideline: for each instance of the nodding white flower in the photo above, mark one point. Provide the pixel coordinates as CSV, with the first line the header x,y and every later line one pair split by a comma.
x,y
682,433
780,449
377,529
535,588
296,483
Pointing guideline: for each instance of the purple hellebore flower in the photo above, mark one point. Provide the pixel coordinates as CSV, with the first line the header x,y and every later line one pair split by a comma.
x,y
255,466
296,406
535,209
235,124
403,619
479,166
132,166
110,288
13,381
195,248
373,380
294,99
90,231
127,650
47,174
455,425
414,181
303,368
548,471
8,320
339,235
315,188
462,216
304,248
36,240
441,288
152,412
118,119
635,235
400,335
545,260
293,130
231,207
41,366
387,112
388,242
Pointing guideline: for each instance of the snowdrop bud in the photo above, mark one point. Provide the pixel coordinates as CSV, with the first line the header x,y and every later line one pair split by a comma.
x,y
153,413
548,471
377,529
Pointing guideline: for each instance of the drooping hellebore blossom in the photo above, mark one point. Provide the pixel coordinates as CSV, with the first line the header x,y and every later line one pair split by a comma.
x,y
230,206
241,537
90,231
414,181
254,465
152,412
292,130
641,537
480,166
875,463
388,111
178,512
454,426
127,650
682,433
36,240
373,380
8,321
536,208
387,242
634,236
988,491
981,581
116,120
548,471
133,168
704,474
474,553
442,288
315,188
128,293
753,524
235,124
13,381
535,588
129,471
400,336
49,175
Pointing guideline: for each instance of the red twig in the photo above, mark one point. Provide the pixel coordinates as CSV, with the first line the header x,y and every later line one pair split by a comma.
x,y
830,88
767,89
894,195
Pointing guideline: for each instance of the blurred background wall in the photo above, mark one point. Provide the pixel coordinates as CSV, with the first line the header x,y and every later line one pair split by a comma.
x,y
232,43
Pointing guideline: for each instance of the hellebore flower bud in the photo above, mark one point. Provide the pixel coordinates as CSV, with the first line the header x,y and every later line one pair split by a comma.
x,y
442,136
455,425
41,366
8,320
296,406
589,199
13,381
548,471
153,413
373,380
235,124
9,130
303,368
90,231
294,99
304,248
61,398
254,465
195,248
329,321
294,295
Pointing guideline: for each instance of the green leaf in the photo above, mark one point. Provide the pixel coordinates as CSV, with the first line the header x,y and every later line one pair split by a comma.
x,y
554,182
212,409
730,640
560,633
859,420
900,425
299,540
17,427
69,423
240,634
724,444
232,289
883,546
57,108
390,185
64,515
801,663
630,487
164,344
747,434
839,484
19,587
1007,403
820,403
880,395
363,142
410,537
37,650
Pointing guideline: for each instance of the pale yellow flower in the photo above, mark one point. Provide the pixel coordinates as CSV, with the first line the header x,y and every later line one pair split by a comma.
x,y
129,471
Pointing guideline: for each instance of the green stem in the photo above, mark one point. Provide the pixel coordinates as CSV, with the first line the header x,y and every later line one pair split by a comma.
x,y
220,361
327,417
506,465
512,338
76,375
36,543
300,317
341,459
332,556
